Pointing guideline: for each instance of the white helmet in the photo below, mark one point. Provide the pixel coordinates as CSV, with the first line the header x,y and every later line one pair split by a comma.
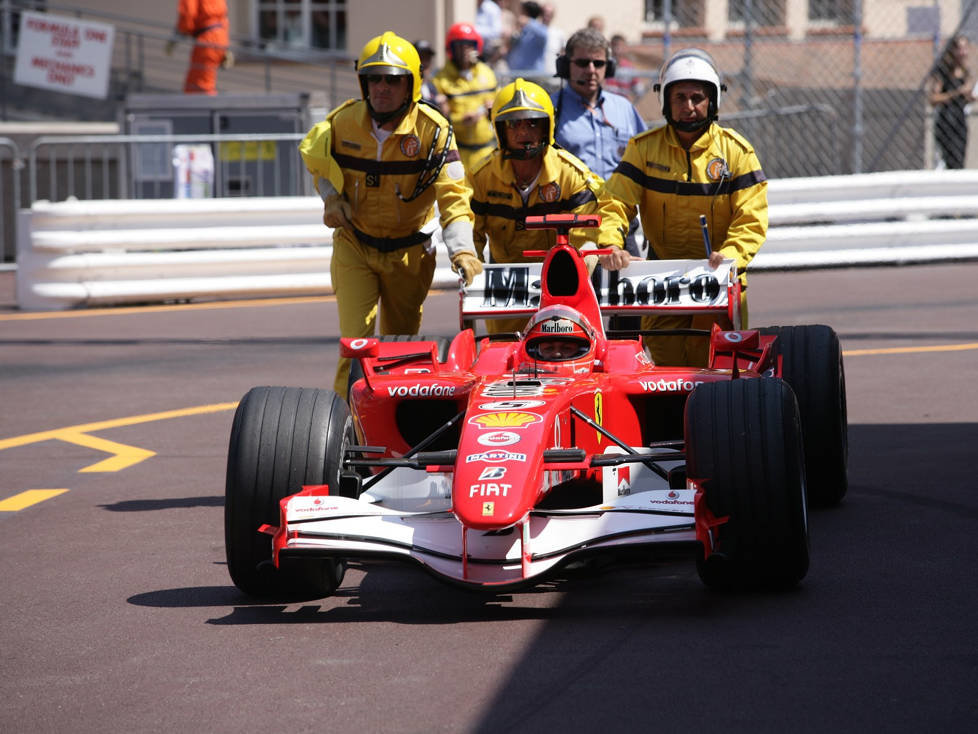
x,y
690,64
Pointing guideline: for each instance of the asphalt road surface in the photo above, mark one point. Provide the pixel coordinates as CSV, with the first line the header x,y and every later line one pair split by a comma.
x,y
118,613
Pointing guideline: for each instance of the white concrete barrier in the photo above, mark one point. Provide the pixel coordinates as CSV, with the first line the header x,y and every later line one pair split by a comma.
x,y
87,253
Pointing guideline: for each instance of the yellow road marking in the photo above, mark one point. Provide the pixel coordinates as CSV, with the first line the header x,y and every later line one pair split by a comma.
x,y
910,350
27,498
123,456
209,306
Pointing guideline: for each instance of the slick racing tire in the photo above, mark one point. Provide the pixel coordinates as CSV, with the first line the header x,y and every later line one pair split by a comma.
x,y
812,366
743,444
281,439
356,370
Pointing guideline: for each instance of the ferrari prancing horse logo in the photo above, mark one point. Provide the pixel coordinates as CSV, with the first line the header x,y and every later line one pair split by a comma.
x,y
599,411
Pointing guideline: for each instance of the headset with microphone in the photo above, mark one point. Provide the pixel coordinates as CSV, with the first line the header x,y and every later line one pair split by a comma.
x,y
563,64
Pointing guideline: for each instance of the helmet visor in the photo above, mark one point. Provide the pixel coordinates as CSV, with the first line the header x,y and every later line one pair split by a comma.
x,y
557,348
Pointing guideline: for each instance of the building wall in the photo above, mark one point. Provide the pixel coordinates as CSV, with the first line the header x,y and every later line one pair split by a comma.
x,y
430,19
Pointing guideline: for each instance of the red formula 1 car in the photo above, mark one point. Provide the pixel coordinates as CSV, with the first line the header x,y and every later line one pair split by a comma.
x,y
494,463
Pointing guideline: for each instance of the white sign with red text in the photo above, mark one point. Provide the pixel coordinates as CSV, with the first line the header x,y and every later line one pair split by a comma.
x,y
64,54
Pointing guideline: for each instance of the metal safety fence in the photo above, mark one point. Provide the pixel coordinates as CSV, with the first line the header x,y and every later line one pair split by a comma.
x,y
827,86
819,87
859,75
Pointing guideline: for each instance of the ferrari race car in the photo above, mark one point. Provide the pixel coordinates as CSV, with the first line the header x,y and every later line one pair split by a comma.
x,y
495,462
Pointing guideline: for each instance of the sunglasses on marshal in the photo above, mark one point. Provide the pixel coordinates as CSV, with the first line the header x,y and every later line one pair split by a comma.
x,y
585,63
389,79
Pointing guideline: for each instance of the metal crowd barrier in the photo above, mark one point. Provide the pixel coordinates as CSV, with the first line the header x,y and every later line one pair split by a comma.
x,y
140,166
10,172
75,254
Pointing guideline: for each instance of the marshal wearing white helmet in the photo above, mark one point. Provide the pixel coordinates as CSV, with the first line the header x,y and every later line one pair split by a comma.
x,y
691,167
690,65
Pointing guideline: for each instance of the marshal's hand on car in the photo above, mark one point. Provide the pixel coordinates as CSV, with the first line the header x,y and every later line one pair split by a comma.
x,y
616,260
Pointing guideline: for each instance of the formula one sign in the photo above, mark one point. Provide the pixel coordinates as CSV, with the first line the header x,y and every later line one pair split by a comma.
x,y
64,54
677,286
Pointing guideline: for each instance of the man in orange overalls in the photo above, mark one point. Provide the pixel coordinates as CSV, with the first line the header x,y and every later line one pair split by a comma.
x,y
207,22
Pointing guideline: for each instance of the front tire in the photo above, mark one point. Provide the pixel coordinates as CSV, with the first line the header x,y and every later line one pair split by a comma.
x,y
743,444
281,439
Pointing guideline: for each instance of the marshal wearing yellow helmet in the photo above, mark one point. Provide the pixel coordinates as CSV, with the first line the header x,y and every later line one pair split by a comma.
x,y
526,175
380,164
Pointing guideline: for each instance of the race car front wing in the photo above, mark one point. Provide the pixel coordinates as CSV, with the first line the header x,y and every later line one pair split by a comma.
x,y
326,526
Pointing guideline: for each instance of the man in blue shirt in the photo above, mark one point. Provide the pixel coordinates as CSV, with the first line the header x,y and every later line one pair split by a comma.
x,y
591,122
529,46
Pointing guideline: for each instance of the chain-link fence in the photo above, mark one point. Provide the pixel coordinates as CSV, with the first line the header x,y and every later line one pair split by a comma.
x,y
835,86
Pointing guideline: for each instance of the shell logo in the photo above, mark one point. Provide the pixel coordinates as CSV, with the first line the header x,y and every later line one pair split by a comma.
x,y
505,420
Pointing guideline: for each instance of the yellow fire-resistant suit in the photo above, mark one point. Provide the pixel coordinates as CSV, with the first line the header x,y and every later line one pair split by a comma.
x,y
467,92
565,186
720,177
385,257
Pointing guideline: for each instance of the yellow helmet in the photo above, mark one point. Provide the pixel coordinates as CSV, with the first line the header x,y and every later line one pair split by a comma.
x,y
521,100
388,53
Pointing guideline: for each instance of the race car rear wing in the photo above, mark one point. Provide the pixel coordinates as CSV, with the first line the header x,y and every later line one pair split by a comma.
x,y
644,287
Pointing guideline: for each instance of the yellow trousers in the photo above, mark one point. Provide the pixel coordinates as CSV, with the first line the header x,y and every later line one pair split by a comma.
x,y
364,277
686,351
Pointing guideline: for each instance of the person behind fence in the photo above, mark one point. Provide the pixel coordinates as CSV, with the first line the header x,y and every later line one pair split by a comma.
x,y
690,167
626,83
380,164
527,175
468,86
950,90
206,21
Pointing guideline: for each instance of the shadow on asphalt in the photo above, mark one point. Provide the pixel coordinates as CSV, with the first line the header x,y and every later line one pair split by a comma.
x,y
911,486
402,594
164,504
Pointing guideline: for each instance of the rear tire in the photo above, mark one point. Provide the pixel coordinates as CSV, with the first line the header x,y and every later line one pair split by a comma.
x,y
812,366
743,443
281,439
